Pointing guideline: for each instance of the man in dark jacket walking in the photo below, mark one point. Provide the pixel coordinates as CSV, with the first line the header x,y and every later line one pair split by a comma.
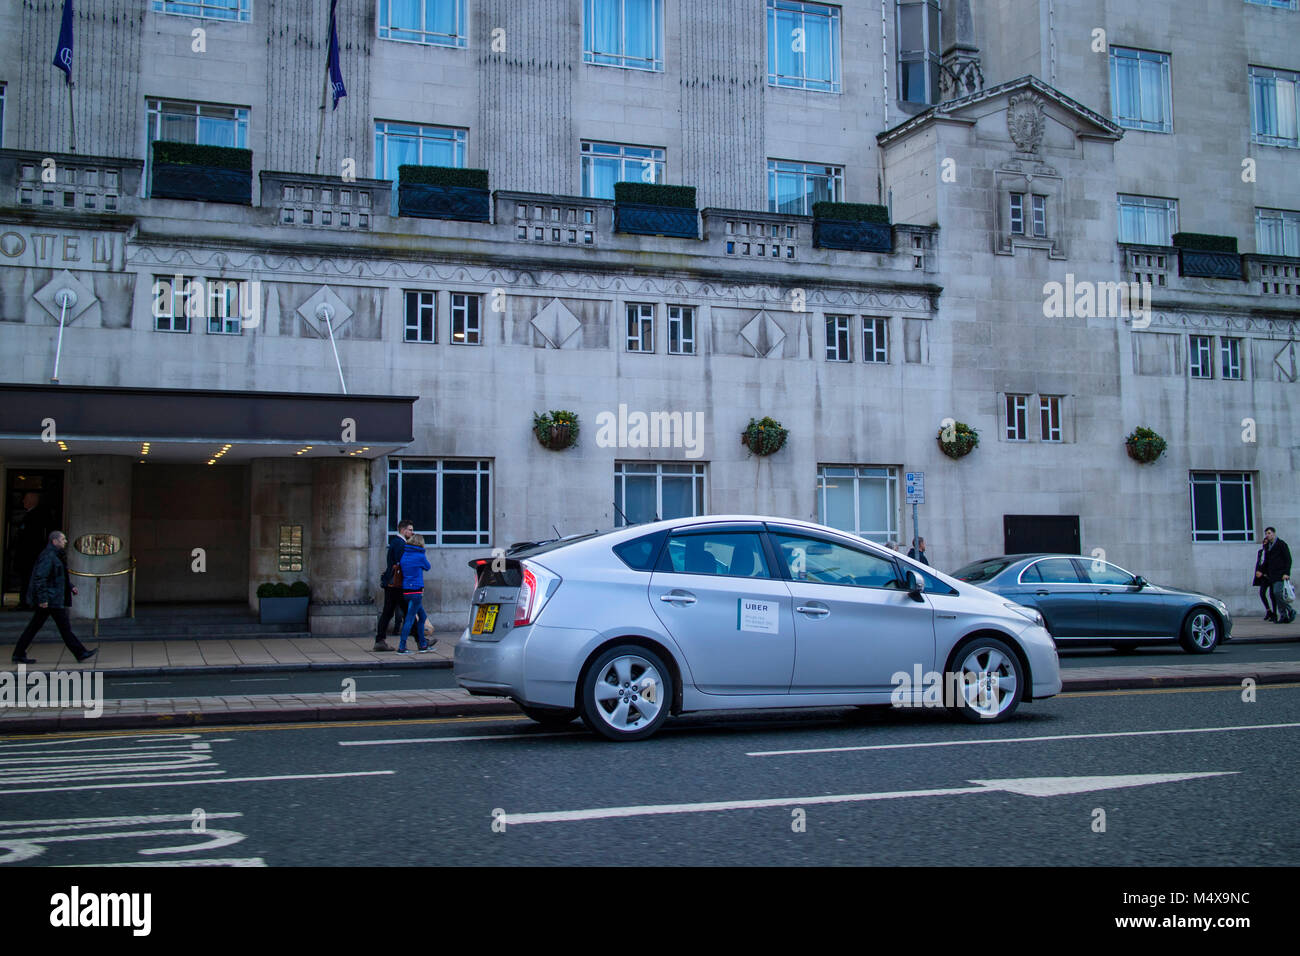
x,y
393,599
50,591
1272,568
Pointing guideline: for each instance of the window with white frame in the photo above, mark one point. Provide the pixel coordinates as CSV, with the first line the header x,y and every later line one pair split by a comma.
x,y
653,491
1140,90
1147,220
1017,214
1223,507
1277,232
434,22
793,187
875,339
1049,417
206,9
176,299
1274,107
466,326
408,144
1280,4
604,164
626,33
2,115
803,45
223,298
1230,358
207,124
859,499
1038,208
1200,361
837,338
640,327
1017,418
421,316
449,500
681,330
918,51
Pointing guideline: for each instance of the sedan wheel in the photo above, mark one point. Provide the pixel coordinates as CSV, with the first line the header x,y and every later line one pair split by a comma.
x,y
1200,632
985,683
627,693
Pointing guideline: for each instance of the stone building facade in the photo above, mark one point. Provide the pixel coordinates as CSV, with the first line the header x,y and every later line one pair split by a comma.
x,y
349,362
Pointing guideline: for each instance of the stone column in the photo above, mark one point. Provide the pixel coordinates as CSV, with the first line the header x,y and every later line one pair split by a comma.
x,y
340,526
962,72
99,502
279,494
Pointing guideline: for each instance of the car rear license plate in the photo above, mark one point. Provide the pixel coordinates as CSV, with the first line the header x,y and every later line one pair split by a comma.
x,y
485,621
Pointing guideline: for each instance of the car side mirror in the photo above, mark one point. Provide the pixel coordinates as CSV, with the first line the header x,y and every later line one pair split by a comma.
x,y
915,585
1139,582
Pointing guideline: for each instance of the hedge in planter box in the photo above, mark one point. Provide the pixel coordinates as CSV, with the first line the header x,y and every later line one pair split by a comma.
x,y
283,603
651,209
1208,256
443,192
857,227
205,173
556,429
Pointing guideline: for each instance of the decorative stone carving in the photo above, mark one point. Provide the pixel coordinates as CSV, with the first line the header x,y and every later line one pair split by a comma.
x,y
1026,122
339,313
555,323
961,74
1286,363
763,334
82,298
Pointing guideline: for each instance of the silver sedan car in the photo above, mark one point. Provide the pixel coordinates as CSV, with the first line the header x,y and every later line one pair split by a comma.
x,y
625,627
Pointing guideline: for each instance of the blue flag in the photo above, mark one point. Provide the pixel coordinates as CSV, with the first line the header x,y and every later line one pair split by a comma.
x,y
336,73
63,55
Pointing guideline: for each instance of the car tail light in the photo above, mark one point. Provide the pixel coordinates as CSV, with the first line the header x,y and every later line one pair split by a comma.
x,y
535,589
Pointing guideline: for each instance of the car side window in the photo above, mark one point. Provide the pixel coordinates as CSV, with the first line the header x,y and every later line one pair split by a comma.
x,y
823,562
1031,575
1107,574
737,554
1057,571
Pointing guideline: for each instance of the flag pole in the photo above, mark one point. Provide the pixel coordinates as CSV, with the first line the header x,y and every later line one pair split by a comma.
x,y
72,114
320,127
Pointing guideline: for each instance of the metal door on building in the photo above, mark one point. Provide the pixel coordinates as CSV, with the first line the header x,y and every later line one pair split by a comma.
x,y
33,508
1034,534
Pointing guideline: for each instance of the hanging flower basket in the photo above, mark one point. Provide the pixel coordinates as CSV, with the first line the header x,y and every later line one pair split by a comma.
x,y
1144,445
962,440
764,436
556,429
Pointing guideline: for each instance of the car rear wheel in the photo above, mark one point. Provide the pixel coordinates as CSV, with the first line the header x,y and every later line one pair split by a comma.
x,y
986,681
1200,632
549,718
627,693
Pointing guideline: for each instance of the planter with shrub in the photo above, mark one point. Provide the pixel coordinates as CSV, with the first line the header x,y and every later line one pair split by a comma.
x,y
283,603
556,429
650,209
857,227
961,442
205,173
443,192
764,436
1144,445
1208,256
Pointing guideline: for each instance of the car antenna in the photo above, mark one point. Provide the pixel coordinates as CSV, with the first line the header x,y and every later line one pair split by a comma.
x,y
620,513
557,532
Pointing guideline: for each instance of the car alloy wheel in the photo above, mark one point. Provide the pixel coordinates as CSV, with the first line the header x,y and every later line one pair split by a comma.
x,y
627,693
1200,632
986,681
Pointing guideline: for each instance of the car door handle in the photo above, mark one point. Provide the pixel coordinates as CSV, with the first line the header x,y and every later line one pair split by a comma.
x,y
677,597
814,610
1043,593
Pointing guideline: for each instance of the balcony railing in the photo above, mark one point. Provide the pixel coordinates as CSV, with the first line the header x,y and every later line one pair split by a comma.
x,y
556,220
324,202
70,182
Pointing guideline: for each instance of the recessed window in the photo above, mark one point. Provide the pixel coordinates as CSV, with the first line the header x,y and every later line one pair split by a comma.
x,y
407,144
640,327
1279,4
421,315
466,329
1230,358
1147,220
448,500
1039,208
837,338
793,187
435,22
1274,110
681,330
803,45
206,9
859,499
626,33
1200,351
648,491
207,124
1139,90
223,302
1017,418
1277,232
1223,507
176,299
1017,214
875,340
604,164
918,51
1049,415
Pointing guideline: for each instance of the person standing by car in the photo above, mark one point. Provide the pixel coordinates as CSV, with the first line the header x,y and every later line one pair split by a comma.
x,y
414,564
394,601
918,553
50,591
1272,570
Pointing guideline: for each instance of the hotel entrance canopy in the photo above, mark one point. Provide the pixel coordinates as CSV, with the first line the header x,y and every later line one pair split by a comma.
x,y
199,426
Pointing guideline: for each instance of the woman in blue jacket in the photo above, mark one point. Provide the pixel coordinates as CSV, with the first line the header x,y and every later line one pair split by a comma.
x,y
414,564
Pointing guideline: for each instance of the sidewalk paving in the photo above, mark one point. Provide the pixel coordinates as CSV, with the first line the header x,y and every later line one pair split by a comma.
x,y
121,658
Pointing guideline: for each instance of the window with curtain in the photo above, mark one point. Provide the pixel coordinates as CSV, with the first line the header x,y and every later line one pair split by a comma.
x,y
404,144
1277,232
1140,90
206,9
860,499
434,22
793,187
648,491
1273,117
1147,220
803,45
604,164
626,33
207,124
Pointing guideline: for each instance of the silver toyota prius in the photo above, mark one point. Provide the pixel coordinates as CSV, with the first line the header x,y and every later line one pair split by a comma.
x,y
626,627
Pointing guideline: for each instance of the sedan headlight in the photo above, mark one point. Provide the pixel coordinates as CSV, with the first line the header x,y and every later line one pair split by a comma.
x,y
1027,612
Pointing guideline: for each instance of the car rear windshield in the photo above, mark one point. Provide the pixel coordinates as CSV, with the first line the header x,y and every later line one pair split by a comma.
x,y
985,570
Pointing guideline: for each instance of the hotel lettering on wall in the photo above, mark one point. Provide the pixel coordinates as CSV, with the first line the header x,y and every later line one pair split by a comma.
x,y
61,248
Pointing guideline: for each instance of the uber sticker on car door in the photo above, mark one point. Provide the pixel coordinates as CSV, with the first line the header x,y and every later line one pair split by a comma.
x,y
755,614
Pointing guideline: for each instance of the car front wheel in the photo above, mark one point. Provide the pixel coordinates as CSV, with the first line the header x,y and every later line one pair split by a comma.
x,y
627,693
986,681
1200,632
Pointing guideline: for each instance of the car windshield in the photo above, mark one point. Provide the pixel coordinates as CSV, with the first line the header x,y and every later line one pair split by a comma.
x,y
985,570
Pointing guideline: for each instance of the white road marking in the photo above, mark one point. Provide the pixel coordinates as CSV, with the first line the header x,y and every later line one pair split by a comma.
x,y
26,839
141,683
1019,740
458,740
188,783
256,680
1028,786
233,861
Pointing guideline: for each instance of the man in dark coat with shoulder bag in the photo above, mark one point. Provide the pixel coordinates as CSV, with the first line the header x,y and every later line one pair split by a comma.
x,y
50,592
1272,571
391,581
